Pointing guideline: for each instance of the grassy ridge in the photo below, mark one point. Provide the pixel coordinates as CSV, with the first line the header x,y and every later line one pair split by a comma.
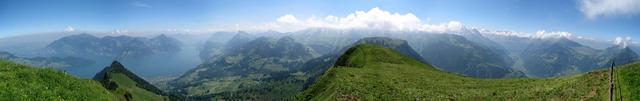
x,y
20,83
128,86
371,72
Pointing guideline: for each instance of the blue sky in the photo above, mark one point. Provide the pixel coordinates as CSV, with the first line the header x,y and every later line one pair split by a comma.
x,y
529,16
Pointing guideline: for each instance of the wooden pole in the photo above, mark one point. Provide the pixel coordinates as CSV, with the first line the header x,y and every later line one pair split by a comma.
x,y
611,81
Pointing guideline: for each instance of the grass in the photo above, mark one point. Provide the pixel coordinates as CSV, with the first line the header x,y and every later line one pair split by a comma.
x,y
20,83
127,85
627,82
371,72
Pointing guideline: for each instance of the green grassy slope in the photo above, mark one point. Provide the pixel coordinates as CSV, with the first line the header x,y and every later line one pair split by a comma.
x,y
628,82
126,85
371,72
21,83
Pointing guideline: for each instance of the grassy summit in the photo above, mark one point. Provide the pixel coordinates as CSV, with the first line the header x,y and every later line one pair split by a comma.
x,y
24,83
371,72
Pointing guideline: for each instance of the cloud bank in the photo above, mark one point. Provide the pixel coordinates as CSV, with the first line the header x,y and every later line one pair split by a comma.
x,y
379,19
595,8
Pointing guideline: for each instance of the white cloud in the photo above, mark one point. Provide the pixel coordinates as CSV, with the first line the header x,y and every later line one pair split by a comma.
x,y
375,18
69,29
595,8
624,42
288,19
140,4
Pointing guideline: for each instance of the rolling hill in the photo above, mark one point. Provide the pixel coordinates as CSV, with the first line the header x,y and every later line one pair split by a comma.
x,y
22,83
368,72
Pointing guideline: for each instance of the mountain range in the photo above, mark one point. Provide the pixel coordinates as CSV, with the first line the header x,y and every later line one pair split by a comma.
x,y
120,47
561,56
268,68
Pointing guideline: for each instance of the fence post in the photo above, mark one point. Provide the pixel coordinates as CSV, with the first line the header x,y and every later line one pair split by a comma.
x,y
611,81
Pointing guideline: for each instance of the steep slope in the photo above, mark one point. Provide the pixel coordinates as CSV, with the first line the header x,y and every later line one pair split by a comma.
x,y
371,72
455,54
47,62
20,83
559,57
89,46
126,85
264,68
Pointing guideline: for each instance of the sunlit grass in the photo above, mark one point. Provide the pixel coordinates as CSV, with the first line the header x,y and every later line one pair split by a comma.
x,y
23,83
